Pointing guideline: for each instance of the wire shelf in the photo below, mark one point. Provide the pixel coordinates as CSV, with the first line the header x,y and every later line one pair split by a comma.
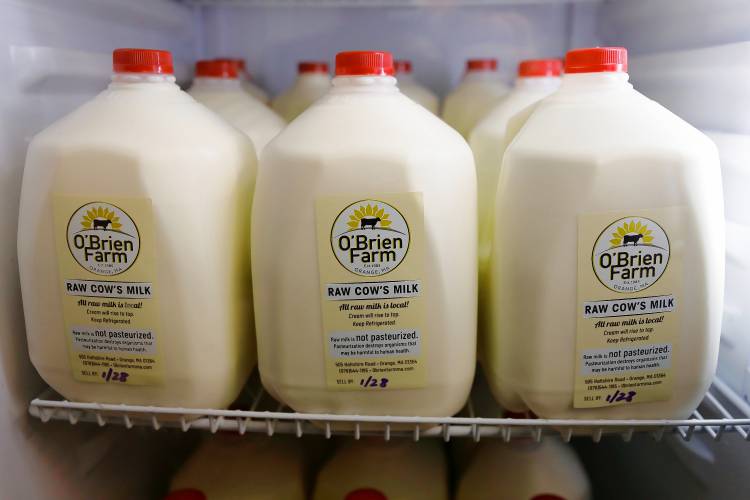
x,y
278,420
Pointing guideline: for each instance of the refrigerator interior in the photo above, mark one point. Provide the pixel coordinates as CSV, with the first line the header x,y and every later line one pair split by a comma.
x,y
693,56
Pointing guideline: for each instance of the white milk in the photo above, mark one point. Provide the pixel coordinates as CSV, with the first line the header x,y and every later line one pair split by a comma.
x,y
231,467
480,89
353,202
217,86
537,79
373,469
312,83
409,86
608,255
524,469
164,186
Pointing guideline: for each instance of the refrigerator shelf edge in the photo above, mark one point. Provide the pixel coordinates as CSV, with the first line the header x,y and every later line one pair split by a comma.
x,y
377,3
281,421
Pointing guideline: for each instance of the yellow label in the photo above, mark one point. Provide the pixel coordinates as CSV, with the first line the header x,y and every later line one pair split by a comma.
x,y
629,283
105,254
370,253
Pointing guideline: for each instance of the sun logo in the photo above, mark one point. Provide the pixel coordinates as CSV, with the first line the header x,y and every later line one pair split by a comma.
x,y
631,232
368,216
100,218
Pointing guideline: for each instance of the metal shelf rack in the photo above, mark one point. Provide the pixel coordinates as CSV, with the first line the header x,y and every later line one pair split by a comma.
x,y
264,415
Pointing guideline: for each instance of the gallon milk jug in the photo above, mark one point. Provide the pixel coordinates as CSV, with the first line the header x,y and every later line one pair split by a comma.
x,y
524,470
537,79
412,89
132,246
232,467
312,83
246,81
366,301
217,86
375,469
607,263
480,89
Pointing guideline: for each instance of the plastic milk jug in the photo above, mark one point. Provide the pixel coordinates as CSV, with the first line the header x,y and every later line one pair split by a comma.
x,y
409,86
312,83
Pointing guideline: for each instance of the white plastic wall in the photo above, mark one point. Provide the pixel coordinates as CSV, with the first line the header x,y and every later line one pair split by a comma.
x,y
54,55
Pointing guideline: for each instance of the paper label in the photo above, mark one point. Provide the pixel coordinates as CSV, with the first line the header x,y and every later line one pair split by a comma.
x,y
629,284
370,254
105,254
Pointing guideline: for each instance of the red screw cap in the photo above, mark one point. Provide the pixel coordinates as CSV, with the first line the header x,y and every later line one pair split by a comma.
x,y
312,67
363,63
597,60
142,61
402,66
216,69
547,496
365,494
540,67
186,494
481,64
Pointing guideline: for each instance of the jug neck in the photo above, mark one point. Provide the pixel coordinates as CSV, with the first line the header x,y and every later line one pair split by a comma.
x,y
216,84
481,76
596,81
142,80
364,84
538,83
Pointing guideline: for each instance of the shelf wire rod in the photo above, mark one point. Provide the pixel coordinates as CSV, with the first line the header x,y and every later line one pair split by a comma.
x,y
271,423
387,434
725,413
72,417
507,433
659,434
45,414
357,431
298,428
567,435
242,425
328,429
215,423
99,419
126,420
538,434
597,436
416,433
473,415
184,423
708,428
446,433
257,399
155,423
627,436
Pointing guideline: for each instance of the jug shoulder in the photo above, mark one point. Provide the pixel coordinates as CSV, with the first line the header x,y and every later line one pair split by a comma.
x,y
338,127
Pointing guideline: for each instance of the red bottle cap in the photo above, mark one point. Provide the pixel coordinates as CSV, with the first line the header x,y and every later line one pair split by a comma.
x,y
186,494
364,62
597,60
547,496
142,61
365,494
402,66
216,69
540,67
481,64
312,67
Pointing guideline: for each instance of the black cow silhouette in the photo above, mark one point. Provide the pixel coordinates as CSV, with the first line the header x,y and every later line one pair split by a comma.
x,y
99,223
368,221
631,238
